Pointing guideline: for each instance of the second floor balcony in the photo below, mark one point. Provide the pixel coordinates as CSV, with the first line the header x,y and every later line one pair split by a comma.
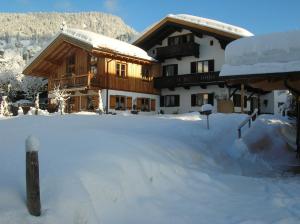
x,y
178,51
187,80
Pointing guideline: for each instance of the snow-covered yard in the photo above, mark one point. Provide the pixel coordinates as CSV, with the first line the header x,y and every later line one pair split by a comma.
x,y
149,169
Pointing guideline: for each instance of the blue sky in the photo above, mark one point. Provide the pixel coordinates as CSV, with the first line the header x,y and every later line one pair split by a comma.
x,y
258,16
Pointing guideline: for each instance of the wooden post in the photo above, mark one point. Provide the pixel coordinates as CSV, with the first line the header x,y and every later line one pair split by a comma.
x,y
242,97
298,126
207,116
32,176
239,133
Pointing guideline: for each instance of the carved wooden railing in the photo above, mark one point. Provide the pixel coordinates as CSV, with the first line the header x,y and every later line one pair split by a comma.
x,y
75,81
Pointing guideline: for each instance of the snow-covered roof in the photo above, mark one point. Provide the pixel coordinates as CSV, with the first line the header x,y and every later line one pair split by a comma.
x,y
271,53
100,41
212,24
201,22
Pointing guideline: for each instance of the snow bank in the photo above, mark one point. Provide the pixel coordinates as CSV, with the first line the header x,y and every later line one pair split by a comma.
x,y
271,53
142,169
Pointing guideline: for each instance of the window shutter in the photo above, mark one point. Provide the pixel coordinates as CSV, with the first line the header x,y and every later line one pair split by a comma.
x,y
193,100
177,103
129,103
152,105
211,98
164,70
162,101
211,65
193,67
245,101
112,102
139,103
175,69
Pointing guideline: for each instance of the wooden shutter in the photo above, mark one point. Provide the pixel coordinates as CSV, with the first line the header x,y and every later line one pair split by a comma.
x,y
175,69
164,70
129,103
177,101
139,103
112,102
193,100
153,103
211,97
193,67
162,101
211,65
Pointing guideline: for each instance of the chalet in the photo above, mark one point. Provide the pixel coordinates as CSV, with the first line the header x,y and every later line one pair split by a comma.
x,y
84,62
191,51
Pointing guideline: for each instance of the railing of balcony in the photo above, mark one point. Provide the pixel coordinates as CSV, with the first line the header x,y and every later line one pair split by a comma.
x,y
76,81
177,51
187,80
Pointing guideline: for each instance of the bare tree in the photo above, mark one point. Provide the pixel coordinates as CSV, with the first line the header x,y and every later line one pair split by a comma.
x,y
60,97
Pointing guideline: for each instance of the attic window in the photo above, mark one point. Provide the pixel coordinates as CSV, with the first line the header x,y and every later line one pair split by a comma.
x,y
70,65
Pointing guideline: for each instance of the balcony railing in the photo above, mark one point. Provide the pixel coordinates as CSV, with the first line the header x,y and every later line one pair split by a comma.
x,y
187,80
178,51
75,81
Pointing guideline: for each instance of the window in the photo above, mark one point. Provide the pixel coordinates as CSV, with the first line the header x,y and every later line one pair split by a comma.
x,y
170,70
202,66
121,70
146,73
176,40
92,64
120,103
145,104
169,101
237,100
70,65
202,98
211,43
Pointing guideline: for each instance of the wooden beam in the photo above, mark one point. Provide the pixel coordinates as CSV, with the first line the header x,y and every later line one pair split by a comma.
x,y
242,97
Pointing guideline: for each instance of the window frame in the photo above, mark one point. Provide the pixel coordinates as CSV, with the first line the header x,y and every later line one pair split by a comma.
x,y
70,64
195,66
175,69
176,101
119,69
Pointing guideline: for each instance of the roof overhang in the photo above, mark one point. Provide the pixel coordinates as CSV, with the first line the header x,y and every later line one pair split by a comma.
x,y
63,45
169,25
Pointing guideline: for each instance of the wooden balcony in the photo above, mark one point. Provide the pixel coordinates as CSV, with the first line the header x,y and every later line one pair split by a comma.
x,y
178,51
103,81
187,80
76,81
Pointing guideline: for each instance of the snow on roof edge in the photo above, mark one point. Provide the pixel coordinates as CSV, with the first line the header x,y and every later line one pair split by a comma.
x,y
193,19
89,37
269,53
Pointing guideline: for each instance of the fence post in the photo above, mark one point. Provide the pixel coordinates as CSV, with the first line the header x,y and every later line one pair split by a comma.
x,y
32,176
240,132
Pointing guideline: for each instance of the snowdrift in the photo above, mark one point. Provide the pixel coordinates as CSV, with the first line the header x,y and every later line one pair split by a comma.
x,y
142,169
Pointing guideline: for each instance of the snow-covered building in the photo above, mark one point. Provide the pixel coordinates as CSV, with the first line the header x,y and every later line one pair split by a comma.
x,y
84,62
191,51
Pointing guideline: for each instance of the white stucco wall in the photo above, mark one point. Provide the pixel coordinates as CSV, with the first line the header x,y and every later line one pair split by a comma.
x,y
130,94
207,52
185,98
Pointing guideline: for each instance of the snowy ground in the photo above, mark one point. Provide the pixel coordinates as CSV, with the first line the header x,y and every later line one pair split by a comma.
x,y
149,169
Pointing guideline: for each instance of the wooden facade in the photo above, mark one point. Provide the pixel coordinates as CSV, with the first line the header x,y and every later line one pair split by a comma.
x,y
83,71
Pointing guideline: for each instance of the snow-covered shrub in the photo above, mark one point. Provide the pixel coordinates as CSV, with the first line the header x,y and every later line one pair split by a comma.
x,y
100,107
60,98
37,104
20,111
4,107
